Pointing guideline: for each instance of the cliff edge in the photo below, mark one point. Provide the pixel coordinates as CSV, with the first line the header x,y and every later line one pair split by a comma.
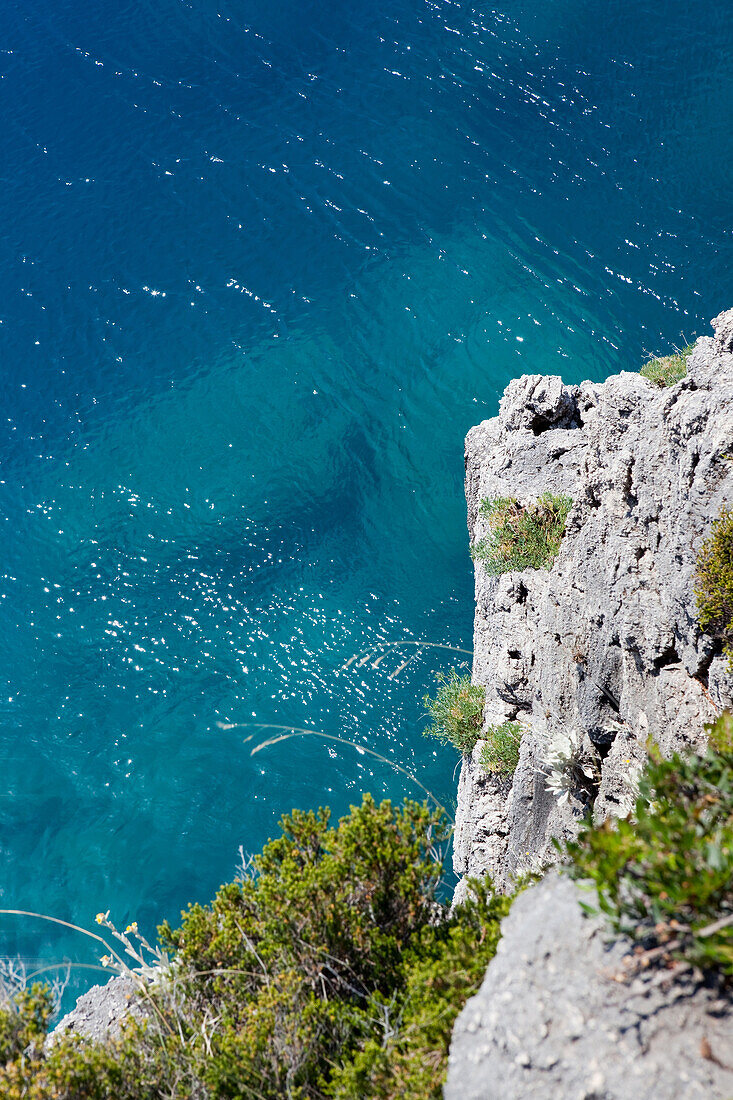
x,y
603,650
551,1022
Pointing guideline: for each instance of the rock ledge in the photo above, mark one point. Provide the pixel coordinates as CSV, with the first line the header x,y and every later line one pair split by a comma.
x,y
549,1020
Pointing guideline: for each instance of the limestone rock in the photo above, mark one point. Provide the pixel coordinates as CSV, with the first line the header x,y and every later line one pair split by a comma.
x,y
605,645
100,1013
549,1020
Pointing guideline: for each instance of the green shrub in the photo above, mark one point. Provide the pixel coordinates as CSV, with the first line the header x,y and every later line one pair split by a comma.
x,y
714,583
500,754
320,928
407,1056
522,537
130,1068
24,1019
456,711
331,969
665,370
69,1071
665,873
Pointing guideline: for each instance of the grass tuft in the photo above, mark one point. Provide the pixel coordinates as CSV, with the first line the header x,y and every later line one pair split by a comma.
x,y
666,370
714,583
522,536
456,712
500,754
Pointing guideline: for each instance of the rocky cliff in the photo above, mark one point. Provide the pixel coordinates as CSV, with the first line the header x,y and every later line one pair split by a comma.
x,y
603,650
550,1022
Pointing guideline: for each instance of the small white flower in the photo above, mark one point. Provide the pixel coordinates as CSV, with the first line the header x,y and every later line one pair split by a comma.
x,y
564,762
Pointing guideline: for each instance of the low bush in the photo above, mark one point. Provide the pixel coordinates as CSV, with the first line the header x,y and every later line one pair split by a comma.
x,y
666,370
407,1055
24,1019
664,875
714,583
500,754
456,712
522,537
132,1067
330,969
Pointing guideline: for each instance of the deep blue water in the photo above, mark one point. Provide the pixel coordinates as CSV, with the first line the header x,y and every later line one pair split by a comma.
x,y
261,267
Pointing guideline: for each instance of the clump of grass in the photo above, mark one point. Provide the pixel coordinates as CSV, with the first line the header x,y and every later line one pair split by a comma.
x,y
664,874
714,583
500,754
665,370
522,536
456,712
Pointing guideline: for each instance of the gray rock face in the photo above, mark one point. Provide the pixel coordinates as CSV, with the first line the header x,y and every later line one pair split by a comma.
x,y
550,1022
603,647
100,1013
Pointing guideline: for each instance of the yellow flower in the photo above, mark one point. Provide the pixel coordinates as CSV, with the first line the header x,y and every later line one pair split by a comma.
x,y
106,960
131,927
101,917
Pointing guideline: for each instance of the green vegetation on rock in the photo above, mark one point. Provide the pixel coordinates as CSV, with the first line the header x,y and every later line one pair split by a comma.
x,y
24,1020
714,583
407,1056
330,969
522,537
664,875
666,370
456,712
500,754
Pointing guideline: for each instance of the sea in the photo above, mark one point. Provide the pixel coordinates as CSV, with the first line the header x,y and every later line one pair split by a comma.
x,y
262,265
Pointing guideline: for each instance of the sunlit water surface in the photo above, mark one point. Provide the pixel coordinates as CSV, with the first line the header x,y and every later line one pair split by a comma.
x,y
262,266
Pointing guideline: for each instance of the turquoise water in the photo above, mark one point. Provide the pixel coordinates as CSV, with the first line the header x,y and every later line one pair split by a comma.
x,y
261,268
